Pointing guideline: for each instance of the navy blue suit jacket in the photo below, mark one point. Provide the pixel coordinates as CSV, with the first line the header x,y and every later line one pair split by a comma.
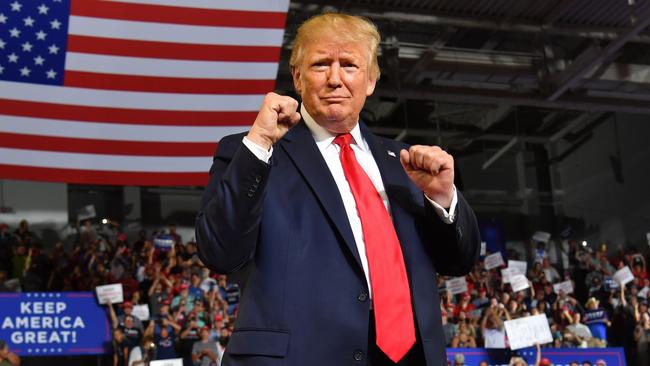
x,y
306,298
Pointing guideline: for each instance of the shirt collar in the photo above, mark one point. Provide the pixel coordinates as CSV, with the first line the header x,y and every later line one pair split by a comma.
x,y
323,136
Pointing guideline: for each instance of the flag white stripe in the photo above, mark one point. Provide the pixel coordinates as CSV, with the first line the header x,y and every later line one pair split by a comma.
x,y
123,163
170,68
249,5
159,32
126,99
115,132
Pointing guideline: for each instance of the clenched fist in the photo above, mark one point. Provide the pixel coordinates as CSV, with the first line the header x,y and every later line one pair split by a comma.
x,y
432,170
277,115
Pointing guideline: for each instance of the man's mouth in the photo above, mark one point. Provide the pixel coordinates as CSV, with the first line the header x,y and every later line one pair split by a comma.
x,y
335,99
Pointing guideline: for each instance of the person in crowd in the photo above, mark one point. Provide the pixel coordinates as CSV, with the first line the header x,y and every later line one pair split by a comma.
x,y
492,327
597,320
8,358
642,338
120,349
205,352
165,339
143,353
459,359
580,332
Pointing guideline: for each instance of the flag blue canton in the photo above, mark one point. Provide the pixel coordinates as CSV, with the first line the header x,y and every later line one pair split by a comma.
x,y
33,40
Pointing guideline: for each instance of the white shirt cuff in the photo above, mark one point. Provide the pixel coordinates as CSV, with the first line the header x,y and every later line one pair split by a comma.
x,y
258,150
448,217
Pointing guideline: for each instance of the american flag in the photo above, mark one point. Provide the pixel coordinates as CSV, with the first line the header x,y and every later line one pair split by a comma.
x,y
130,92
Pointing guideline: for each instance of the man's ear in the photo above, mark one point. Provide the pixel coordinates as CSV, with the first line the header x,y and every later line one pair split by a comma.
x,y
297,84
371,86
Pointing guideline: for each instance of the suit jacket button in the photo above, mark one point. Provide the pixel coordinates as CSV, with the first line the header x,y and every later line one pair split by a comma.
x,y
358,356
363,297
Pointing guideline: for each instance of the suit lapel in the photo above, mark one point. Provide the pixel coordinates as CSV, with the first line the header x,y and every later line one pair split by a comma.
x,y
302,150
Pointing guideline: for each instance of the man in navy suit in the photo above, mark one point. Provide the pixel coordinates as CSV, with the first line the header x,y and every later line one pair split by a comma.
x,y
342,232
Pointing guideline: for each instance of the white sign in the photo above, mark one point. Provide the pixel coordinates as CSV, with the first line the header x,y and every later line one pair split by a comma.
x,y
493,260
109,293
484,245
506,274
519,282
541,236
86,212
528,331
519,266
457,285
565,287
643,293
141,311
623,276
168,362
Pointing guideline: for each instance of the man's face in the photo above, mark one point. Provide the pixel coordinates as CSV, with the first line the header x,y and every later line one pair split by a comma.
x,y
333,81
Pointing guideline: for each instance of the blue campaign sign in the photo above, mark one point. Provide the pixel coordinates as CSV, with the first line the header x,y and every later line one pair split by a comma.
x,y
54,323
557,356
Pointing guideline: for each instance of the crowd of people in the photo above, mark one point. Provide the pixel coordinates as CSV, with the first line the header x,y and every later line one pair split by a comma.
x,y
598,312
192,310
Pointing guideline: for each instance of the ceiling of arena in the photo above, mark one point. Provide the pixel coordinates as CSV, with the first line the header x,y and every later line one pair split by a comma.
x,y
471,74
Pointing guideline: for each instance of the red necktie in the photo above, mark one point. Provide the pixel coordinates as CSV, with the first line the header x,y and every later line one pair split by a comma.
x,y
390,287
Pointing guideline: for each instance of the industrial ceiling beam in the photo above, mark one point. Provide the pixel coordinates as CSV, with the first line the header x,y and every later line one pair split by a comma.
x,y
593,57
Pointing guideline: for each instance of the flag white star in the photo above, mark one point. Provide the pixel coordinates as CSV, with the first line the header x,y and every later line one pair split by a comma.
x,y
40,35
43,9
2,44
1,69
53,49
55,24
51,74
38,60
13,58
27,47
14,32
29,22
16,6
3,18
25,71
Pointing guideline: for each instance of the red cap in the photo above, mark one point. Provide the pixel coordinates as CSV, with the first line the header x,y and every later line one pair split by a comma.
x,y
121,237
206,328
167,302
545,362
184,286
127,304
465,296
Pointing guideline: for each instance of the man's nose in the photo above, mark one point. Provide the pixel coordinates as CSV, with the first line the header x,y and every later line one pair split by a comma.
x,y
334,76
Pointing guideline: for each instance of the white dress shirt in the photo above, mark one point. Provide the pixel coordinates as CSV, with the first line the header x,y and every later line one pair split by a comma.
x,y
330,151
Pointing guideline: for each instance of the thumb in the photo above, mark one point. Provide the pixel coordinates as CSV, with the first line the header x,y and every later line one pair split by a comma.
x,y
405,159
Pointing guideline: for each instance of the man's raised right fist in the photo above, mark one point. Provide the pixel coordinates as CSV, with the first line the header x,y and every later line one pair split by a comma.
x,y
276,116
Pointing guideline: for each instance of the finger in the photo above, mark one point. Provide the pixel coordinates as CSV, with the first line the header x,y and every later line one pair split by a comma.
x,y
405,158
414,156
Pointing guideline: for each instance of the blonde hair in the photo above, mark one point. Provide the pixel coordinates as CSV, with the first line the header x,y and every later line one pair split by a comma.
x,y
349,28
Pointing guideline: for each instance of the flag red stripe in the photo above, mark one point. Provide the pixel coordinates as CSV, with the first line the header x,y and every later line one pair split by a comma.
x,y
171,50
166,84
178,15
110,147
103,177
124,115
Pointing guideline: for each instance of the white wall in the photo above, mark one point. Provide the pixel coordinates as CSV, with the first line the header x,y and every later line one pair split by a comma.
x,y
40,203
